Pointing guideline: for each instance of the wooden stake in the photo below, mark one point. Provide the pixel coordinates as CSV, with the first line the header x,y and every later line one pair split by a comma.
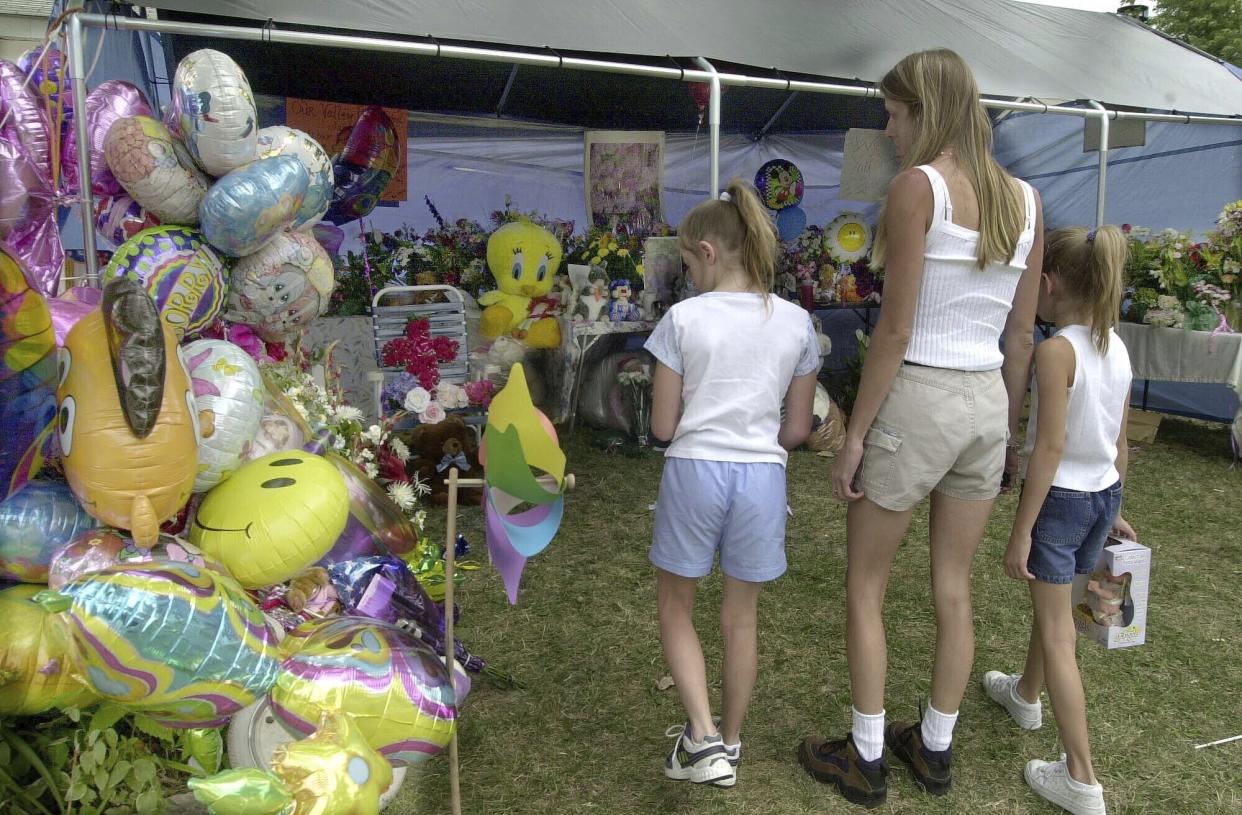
x,y
450,644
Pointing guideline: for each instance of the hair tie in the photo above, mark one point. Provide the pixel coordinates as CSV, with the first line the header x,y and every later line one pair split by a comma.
x,y
724,196
1090,236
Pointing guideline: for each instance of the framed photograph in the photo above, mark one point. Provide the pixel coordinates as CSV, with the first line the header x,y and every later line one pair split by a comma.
x,y
624,173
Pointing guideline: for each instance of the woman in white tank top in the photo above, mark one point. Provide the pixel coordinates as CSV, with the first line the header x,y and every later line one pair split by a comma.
x,y
961,245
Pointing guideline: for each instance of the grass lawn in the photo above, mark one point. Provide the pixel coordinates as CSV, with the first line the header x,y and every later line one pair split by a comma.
x,y
586,733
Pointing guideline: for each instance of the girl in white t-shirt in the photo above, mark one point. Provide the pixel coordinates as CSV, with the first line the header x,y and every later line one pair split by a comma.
x,y
1071,498
727,358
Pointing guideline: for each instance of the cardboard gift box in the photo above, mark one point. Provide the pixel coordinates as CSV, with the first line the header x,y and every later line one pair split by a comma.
x,y
1111,603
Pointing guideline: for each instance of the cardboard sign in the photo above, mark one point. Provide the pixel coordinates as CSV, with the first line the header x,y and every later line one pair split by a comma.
x,y
329,123
869,165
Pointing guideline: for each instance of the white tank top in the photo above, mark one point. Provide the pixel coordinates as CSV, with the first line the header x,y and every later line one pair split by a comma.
x,y
1093,414
961,309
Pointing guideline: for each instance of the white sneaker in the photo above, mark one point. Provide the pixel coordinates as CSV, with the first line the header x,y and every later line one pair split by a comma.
x,y
1003,690
1052,782
703,762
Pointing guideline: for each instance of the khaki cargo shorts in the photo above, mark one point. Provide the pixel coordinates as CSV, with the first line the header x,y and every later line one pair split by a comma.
x,y
938,429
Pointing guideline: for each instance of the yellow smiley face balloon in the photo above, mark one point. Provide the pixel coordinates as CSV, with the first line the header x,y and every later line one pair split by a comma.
x,y
276,516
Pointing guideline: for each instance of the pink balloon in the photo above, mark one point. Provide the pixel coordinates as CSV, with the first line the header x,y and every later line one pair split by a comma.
x,y
49,80
24,118
70,307
110,101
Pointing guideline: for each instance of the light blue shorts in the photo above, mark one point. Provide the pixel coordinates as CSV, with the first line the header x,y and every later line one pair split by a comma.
x,y
738,508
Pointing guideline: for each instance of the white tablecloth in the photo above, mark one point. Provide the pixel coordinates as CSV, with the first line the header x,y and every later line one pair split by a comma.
x,y
1178,355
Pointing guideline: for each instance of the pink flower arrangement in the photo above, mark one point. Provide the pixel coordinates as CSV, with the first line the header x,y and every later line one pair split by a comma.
x,y
419,353
480,392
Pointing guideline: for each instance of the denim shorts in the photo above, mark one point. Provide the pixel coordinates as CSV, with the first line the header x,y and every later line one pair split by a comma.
x,y
1070,532
735,508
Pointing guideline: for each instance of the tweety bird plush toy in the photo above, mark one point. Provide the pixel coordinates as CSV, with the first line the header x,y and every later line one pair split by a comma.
x,y
524,259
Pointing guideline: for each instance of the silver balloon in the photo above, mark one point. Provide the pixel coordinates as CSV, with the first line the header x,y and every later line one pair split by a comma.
x,y
228,393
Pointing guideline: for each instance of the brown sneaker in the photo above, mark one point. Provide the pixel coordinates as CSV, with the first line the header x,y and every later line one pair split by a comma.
x,y
932,770
837,762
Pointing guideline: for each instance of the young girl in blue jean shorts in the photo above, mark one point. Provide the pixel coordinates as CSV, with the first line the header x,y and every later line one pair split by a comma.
x,y
1072,496
727,358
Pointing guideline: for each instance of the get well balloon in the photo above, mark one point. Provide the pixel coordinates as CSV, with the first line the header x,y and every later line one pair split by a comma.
x,y
184,275
273,518
364,167
213,111
395,688
282,287
251,205
96,549
35,667
35,522
126,420
286,141
183,644
228,392
144,158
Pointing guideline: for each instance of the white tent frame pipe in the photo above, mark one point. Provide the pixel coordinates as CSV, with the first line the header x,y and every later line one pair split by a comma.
x,y
707,73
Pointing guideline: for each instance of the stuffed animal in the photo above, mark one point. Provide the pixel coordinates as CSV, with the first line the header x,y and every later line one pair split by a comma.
x,y
437,447
524,259
593,300
621,310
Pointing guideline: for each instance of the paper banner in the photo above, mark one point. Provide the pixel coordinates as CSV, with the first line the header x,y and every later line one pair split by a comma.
x,y
512,407
530,531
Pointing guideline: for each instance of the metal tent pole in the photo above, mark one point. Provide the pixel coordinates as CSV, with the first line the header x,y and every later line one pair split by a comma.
x,y
713,122
77,65
1103,172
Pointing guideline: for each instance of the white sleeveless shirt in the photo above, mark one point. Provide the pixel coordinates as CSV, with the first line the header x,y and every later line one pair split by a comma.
x,y
961,308
1093,414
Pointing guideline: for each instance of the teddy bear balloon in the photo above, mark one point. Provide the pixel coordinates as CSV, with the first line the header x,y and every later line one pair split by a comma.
x,y
524,259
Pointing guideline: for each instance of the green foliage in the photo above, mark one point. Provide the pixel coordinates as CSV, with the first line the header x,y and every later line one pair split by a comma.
x,y
1214,26
108,763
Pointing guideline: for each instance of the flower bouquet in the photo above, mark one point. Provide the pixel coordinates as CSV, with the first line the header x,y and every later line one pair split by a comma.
x,y
635,379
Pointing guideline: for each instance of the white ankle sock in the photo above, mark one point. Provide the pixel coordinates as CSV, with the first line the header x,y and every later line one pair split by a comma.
x,y
938,729
868,732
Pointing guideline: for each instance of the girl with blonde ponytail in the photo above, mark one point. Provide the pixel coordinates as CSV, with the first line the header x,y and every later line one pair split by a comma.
x,y
961,245
726,360
1071,499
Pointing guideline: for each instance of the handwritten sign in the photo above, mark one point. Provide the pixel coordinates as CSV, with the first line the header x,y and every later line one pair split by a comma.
x,y
869,165
329,124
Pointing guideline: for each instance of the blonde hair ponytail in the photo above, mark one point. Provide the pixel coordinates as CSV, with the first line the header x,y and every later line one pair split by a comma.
x,y
1091,264
941,93
739,223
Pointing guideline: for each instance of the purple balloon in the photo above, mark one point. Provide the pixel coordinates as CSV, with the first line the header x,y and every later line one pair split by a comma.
x,y
24,119
49,80
70,307
110,101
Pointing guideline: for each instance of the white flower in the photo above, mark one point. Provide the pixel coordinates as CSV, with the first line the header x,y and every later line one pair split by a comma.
x,y
371,470
366,455
421,487
338,443
301,410
399,449
420,519
348,413
417,400
434,414
293,393
402,495
451,396
373,435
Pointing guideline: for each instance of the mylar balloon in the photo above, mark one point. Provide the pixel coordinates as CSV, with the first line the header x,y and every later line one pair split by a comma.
x,y
34,522
251,205
282,287
213,111
364,167
790,222
70,307
111,100
228,392
144,159
779,182
394,687
274,517
121,218
97,549
285,141
27,377
49,79
183,644
120,474
35,669
184,275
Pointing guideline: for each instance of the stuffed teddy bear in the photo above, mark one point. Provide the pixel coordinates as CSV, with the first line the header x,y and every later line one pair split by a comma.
x,y
524,259
437,447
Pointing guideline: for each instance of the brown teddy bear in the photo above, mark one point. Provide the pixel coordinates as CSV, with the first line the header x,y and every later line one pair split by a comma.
x,y
434,448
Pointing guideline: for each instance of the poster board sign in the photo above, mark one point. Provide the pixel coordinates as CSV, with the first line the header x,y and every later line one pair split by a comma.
x,y
868,166
329,123
624,173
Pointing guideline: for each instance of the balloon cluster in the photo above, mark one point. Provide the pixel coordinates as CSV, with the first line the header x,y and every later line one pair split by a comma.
x,y
780,187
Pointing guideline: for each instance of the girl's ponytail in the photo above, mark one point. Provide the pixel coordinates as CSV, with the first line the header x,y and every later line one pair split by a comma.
x,y
1091,264
758,240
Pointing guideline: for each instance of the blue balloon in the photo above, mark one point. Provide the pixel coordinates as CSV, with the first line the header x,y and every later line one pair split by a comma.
x,y
36,521
253,204
790,222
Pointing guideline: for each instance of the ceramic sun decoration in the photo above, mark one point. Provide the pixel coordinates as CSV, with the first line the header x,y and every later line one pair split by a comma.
x,y
621,310
593,301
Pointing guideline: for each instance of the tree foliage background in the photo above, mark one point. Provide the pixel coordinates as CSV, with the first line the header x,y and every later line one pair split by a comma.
x,y
1214,26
